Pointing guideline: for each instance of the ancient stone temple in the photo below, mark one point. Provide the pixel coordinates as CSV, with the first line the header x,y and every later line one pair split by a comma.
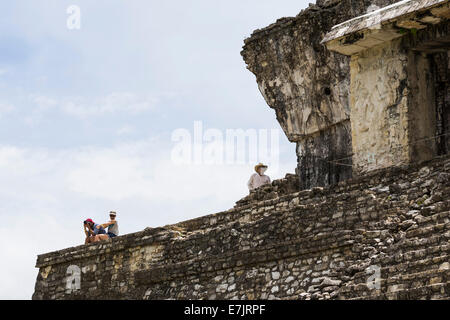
x,y
362,88
399,88
374,96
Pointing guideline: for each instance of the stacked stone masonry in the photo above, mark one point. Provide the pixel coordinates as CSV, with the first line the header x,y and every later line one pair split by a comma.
x,y
323,243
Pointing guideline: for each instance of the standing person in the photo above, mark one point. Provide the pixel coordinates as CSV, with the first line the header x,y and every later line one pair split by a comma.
x,y
259,178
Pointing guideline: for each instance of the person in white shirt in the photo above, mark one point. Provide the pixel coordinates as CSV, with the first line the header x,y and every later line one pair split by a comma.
x,y
259,178
113,228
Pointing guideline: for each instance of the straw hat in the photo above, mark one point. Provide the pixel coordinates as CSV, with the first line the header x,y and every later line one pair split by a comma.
x,y
260,165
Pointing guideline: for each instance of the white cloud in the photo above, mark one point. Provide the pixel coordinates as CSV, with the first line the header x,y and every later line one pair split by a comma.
x,y
6,108
40,106
44,103
146,170
125,130
45,194
116,103
113,103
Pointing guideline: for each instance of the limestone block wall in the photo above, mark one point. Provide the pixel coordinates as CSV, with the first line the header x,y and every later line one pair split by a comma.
x,y
382,236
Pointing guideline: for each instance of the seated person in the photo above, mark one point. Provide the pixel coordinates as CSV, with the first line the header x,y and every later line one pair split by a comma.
x,y
94,232
113,226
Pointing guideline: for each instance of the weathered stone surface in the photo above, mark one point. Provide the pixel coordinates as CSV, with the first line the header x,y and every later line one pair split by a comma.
x,y
380,114
376,27
395,115
288,247
287,185
391,108
308,86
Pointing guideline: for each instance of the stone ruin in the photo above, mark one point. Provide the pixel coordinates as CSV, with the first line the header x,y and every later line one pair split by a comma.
x,y
357,91
362,88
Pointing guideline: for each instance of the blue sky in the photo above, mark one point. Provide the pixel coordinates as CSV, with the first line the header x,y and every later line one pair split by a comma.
x,y
86,117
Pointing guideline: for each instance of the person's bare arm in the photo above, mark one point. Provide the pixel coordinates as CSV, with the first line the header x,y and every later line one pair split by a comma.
x,y
107,224
86,230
